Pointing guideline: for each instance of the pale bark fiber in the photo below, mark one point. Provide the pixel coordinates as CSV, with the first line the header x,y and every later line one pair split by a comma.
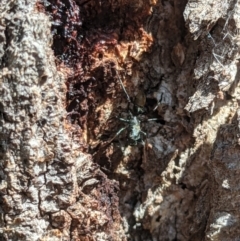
x,y
70,176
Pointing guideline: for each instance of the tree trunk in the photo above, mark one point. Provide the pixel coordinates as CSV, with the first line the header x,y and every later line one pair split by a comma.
x,y
119,120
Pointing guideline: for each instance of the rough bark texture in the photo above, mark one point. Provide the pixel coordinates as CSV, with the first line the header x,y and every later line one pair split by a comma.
x,y
50,189
74,163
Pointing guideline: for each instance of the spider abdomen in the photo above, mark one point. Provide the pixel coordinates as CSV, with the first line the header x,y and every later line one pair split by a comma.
x,y
135,129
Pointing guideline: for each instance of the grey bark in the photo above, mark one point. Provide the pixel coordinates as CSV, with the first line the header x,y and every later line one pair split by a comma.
x,y
44,174
181,184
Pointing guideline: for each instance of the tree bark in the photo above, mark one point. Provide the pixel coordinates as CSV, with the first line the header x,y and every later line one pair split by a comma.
x,y
119,120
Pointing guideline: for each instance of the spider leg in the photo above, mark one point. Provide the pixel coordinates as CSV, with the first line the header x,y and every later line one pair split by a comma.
x,y
128,98
118,133
124,120
153,119
156,106
144,133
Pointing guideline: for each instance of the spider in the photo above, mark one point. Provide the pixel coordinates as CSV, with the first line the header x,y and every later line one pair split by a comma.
x,y
133,123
